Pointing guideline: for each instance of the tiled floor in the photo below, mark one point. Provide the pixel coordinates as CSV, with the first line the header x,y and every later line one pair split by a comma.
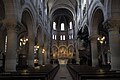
x,y
63,73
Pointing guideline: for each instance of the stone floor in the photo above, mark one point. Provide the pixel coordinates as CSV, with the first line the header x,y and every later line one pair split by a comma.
x,y
63,73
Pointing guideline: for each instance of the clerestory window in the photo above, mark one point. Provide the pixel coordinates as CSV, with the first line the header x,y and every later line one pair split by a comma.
x,y
70,24
62,27
54,25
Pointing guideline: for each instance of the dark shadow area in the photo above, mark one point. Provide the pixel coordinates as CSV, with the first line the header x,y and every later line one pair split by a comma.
x,y
85,72
42,72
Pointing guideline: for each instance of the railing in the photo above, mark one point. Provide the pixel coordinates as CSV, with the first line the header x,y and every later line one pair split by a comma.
x,y
33,75
79,73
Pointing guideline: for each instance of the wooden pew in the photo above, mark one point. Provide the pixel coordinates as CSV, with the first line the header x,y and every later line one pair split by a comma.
x,y
111,75
83,73
33,75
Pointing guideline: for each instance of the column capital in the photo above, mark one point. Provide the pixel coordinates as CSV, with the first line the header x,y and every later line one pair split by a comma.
x,y
10,25
31,40
111,25
93,37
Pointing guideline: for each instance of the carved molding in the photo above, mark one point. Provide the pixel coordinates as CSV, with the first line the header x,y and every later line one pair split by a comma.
x,y
11,25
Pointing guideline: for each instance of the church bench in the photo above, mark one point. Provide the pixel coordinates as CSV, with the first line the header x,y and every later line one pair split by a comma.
x,y
32,75
82,73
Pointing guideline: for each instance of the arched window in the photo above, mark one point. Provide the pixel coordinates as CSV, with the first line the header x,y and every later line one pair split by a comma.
x,y
62,27
53,36
69,36
5,43
72,36
63,37
70,24
54,25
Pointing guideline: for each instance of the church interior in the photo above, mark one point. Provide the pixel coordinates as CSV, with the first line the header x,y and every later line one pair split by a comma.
x,y
59,39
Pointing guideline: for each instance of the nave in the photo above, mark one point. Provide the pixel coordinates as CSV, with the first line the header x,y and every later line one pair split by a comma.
x,y
63,73
38,36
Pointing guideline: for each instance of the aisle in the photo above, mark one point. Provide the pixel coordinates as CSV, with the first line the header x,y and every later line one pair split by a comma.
x,y
63,73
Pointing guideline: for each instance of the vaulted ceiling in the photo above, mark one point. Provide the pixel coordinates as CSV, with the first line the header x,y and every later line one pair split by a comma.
x,y
59,8
55,4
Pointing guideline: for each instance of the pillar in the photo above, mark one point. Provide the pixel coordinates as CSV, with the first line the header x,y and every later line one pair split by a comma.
x,y
46,52
77,45
94,51
43,57
40,57
40,43
80,47
30,58
2,43
11,55
114,41
77,57
2,38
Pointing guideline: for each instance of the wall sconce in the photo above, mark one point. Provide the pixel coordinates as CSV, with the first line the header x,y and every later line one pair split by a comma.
x,y
36,47
23,41
35,61
43,50
101,39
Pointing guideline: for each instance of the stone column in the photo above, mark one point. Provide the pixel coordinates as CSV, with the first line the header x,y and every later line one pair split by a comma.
x,y
77,57
40,56
78,47
43,57
40,42
114,41
2,43
46,52
94,51
11,55
30,58
2,38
